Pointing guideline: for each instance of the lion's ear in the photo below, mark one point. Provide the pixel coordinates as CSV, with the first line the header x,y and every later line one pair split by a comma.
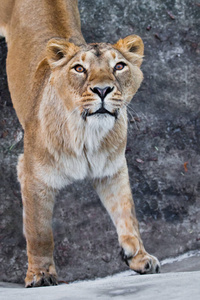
x,y
132,48
58,50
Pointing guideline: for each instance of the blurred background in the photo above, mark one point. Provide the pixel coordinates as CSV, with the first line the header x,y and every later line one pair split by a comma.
x,y
163,150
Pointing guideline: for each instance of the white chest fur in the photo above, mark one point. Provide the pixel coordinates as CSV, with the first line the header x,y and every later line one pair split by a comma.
x,y
69,169
88,160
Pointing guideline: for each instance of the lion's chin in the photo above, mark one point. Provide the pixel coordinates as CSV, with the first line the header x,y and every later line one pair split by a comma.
x,y
100,123
101,113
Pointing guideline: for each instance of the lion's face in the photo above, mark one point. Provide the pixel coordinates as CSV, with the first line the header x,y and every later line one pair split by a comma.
x,y
96,80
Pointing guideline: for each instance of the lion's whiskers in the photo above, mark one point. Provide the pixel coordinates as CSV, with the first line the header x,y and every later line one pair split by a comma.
x,y
132,112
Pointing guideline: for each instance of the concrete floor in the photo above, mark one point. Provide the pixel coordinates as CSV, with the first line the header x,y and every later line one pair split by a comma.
x,y
180,279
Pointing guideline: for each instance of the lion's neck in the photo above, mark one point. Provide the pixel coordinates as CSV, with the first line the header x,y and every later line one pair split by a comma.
x,y
89,134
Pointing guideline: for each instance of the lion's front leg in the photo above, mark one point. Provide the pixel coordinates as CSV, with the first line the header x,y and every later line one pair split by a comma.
x,y
115,193
38,201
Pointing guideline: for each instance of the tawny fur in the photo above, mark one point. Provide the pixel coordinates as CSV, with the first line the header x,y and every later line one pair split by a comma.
x,y
64,140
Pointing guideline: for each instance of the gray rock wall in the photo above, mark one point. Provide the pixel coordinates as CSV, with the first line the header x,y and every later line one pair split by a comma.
x,y
163,150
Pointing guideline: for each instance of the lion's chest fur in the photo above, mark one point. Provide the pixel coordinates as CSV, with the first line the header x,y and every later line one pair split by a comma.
x,y
68,169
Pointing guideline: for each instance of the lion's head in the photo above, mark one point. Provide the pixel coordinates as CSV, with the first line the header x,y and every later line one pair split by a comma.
x,y
96,80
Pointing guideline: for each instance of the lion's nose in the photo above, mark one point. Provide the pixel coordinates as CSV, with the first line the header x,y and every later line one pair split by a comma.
x,y
102,93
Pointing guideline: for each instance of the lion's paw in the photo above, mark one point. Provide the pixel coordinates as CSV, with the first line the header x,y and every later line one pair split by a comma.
x,y
40,278
142,263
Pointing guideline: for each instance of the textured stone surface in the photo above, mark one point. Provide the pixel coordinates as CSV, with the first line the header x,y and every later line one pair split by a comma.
x,y
163,150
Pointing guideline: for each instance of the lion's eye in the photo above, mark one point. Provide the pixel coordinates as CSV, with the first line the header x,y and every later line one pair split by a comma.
x,y
79,69
119,66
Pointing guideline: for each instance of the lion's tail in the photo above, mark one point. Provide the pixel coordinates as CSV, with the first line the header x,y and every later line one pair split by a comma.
x,y
6,7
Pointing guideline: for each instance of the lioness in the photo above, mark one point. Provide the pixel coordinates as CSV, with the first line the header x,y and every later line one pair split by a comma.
x,y
71,99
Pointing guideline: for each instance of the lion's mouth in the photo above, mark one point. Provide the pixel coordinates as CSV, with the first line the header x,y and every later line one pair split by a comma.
x,y
101,110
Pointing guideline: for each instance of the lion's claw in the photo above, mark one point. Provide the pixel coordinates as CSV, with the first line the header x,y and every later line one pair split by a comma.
x,y
40,279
